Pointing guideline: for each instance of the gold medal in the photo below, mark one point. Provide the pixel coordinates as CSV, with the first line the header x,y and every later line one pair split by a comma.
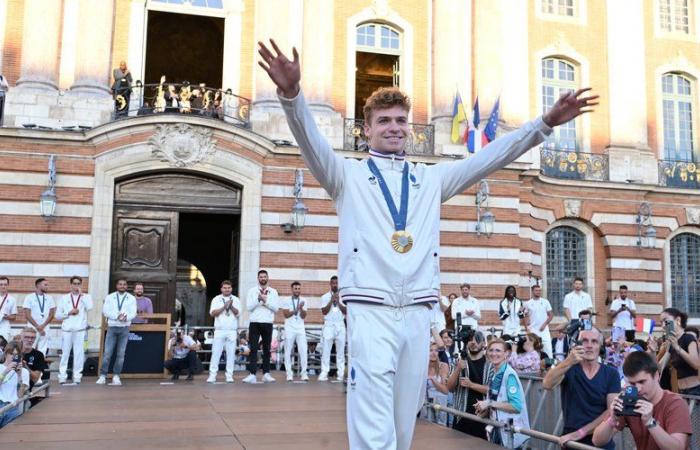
x,y
402,241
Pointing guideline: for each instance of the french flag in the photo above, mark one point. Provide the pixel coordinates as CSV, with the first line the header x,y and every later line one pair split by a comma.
x,y
644,325
475,138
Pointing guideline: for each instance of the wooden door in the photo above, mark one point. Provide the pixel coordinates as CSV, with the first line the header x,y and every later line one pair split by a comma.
x,y
144,248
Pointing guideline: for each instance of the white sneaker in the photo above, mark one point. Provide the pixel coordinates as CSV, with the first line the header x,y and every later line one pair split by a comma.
x,y
323,377
267,378
304,377
229,380
289,379
101,380
211,380
339,379
116,381
62,381
250,379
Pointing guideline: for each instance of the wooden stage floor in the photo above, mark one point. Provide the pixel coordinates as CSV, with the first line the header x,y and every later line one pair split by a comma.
x,y
144,414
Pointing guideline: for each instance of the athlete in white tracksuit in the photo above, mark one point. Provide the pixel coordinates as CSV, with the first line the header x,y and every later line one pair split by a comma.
x,y
224,309
294,310
333,331
72,309
388,285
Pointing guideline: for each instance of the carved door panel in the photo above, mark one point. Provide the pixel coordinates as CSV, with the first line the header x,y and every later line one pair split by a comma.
x,y
144,248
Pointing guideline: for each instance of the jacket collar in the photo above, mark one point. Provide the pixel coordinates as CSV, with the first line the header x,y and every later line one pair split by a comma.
x,y
388,161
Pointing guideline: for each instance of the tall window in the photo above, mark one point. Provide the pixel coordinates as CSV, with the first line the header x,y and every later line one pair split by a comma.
x,y
558,7
678,117
685,273
377,60
559,76
566,260
674,15
378,37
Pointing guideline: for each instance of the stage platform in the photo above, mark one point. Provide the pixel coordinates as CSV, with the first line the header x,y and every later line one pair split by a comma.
x,y
145,414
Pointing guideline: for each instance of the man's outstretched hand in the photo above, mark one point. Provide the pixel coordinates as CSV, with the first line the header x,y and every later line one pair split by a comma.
x,y
569,106
284,73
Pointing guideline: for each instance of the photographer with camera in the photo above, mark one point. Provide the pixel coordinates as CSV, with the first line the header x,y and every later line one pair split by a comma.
x,y
467,306
14,380
510,311
527,358
622,312
182,353
657,418
682,350
577,300
468,383
587,388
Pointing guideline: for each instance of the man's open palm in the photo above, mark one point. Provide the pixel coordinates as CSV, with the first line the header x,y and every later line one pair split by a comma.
x,y
569,106
284,73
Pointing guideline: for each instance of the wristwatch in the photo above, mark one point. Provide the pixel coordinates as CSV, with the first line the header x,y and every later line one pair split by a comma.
x,y
652,423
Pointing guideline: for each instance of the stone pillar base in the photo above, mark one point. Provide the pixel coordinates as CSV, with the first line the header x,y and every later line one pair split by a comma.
x,y
267,118
632,165
56,109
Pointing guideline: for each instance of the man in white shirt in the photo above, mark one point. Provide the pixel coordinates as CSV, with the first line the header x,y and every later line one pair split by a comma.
x,y
262,302
225,309
468,307
538,312
8,309
40,309
333,310
577,301
182,352
439,311
622,312
388,242
294,310
72,310
119,309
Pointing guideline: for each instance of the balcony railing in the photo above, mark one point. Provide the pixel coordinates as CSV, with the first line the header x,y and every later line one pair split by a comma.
x,y
183,98
679,174
573,165
421,138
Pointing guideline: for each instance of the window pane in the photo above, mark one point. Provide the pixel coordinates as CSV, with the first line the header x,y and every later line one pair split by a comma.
x,y
669,131
565,260
548,69
667,84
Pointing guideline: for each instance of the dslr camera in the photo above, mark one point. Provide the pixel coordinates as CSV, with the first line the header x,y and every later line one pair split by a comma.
x,y
629,398
575,327
464,334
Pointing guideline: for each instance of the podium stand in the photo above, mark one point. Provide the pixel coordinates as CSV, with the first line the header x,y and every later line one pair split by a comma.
x,y
147,348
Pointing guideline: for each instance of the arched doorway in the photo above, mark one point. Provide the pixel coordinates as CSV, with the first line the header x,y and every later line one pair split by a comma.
x,y
160,218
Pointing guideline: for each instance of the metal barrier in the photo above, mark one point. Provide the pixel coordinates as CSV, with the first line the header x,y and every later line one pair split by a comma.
x,y
511,429
22,401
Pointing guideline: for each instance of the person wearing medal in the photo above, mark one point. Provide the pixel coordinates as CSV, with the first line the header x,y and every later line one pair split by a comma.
x,y
72,310
8,309
389,242
225,309
40,309
119,309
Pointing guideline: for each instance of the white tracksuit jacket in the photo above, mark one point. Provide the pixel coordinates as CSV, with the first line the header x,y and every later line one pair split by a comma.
x,y
369,268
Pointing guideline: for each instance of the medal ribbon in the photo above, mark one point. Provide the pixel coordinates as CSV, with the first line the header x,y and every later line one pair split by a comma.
x,y
398,216
120,302
75,303
42,303
3,303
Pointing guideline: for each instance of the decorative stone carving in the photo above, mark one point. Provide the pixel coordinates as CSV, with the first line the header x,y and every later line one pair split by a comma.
x,y
380,8
572,208
181,145
693,216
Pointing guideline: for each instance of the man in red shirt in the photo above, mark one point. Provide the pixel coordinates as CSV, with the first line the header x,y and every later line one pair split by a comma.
x,y
663,421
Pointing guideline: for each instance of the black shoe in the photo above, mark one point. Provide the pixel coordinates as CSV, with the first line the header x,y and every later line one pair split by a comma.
x,y
176,376
190,377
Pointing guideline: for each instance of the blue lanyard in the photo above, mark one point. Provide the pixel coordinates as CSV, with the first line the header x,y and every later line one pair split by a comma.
x,y
42,303
294,306
120,302
399,216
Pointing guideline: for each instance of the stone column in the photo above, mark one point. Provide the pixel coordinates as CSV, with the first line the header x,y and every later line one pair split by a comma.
x,y
3,26
92,71
40,42
232,45
628,150
452,67
317,58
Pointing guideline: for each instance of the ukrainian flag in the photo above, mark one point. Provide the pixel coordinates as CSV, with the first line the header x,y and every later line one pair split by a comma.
x,y
458,116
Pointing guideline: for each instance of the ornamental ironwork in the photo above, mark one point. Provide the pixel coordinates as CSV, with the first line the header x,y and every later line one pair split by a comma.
x,y
420,141
680,174
573,165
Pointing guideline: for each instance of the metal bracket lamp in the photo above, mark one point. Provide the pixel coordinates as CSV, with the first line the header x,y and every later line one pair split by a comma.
x,y
299,210
646,233
47,200
485,219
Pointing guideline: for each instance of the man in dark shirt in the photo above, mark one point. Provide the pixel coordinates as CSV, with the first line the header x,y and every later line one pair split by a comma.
x,y
587,388
34,361
468,382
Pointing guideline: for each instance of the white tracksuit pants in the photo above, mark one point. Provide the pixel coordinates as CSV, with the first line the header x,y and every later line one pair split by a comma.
x,y
388,350
72,340
41,343
333,333
223,339
290,337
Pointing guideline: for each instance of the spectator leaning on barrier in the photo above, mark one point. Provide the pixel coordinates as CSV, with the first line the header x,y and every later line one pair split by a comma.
x,y
14,380
468,383
662,420
587,388
436,387
505,398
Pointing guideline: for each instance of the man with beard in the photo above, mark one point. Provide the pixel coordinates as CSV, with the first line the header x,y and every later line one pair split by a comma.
x,y
469,384
262,302
333,311
40,309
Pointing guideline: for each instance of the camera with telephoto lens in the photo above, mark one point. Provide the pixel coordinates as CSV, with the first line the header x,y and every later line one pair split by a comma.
x,y
575,327
464,334
629,398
